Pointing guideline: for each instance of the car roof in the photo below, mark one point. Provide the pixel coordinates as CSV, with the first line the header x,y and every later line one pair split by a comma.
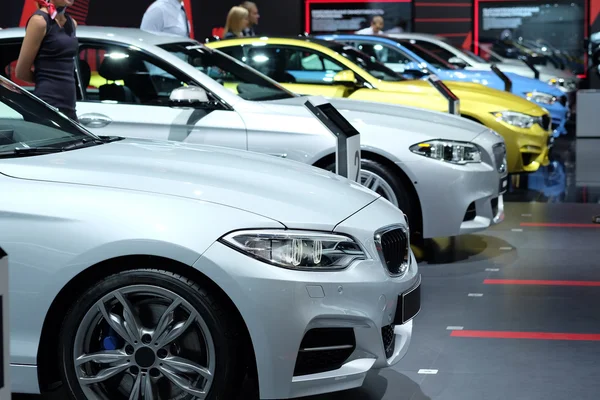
x,y
301,38
126,35
423,36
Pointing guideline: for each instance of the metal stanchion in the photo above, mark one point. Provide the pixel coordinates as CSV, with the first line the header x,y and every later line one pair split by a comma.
x,y
453,100
4,333
347,153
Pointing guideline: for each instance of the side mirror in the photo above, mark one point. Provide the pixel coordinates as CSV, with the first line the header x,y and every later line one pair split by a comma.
x,y
345,77
457,61
188,96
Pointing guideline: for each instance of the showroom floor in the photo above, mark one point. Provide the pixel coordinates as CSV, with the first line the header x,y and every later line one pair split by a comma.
x,y
510,313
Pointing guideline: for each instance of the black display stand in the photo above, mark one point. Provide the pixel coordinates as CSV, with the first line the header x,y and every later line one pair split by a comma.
x,y
453,100
505,79
347,153
4,344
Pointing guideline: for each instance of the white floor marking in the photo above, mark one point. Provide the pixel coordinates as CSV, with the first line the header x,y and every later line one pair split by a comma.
x,y
505,248
517,230
455,328
428,371
492,269
475,294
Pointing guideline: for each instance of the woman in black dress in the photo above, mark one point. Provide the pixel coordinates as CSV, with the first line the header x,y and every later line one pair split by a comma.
x,y
48,53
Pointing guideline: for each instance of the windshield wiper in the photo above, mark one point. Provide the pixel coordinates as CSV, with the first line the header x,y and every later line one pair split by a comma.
x,y
33,151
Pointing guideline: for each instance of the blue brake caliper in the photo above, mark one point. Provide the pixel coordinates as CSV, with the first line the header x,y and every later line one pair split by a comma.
x,y
112,341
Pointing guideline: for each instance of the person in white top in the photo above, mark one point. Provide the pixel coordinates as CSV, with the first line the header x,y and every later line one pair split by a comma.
x,y
166,16
376,27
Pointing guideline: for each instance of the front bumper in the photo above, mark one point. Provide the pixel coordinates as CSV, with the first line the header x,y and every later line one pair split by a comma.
x,y
280,307
527,149
458,199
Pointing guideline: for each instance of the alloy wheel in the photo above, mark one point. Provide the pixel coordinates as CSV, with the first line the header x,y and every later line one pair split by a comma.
x,y
144,342
379,185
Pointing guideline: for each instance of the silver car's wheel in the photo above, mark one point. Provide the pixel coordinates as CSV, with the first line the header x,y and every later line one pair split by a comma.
x,y
149,334
379,185
144,342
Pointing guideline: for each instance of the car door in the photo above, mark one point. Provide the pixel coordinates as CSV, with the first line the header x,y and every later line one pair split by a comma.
x,y
300,70
125,92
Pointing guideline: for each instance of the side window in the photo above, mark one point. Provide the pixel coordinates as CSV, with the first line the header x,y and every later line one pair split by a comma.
x,y
435,49
289,64
114,74
9,54
384,53
271,61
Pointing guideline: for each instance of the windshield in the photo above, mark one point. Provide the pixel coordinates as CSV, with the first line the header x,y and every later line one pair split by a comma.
x,y
428,56
370,64
26,122
233,75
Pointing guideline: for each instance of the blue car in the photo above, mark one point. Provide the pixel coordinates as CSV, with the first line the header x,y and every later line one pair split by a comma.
x,y
404,57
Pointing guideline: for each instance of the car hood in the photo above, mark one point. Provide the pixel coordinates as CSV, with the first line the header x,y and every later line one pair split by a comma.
x,y
292,193
521,84
520,68
473,93
372,116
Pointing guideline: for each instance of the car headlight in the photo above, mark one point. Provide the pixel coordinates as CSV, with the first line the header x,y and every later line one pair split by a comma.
x,y
449,151
556,81
540,97
515,118
299,250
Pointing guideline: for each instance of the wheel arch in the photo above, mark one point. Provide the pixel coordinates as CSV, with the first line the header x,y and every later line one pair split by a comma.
x,y
374,156
48,375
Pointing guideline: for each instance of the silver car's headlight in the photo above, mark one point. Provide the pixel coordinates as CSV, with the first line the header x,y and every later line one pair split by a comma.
x,y
540,97
299,250
449,151
515,118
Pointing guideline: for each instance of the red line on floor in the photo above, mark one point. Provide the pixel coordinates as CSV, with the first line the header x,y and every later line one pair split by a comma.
x,y
539,282
526,335
558,225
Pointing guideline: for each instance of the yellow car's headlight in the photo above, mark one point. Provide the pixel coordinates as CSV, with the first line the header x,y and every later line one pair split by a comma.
x,y
514,118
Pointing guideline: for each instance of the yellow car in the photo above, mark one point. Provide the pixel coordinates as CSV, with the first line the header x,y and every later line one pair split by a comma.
x,y
311,66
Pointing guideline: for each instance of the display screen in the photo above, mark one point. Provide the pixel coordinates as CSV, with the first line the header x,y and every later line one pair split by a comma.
x,y
327,16
548,33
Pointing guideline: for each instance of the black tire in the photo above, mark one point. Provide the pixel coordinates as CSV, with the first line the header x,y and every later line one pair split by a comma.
x,y
224,328
403,196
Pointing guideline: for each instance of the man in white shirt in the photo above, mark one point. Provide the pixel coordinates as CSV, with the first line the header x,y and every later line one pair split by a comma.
x,y
166,16
376,27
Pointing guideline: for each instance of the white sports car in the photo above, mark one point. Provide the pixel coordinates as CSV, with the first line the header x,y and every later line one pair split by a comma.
x,y
446,173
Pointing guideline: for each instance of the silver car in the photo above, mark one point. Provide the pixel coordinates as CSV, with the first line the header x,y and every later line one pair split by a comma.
x,y
144,269
412,157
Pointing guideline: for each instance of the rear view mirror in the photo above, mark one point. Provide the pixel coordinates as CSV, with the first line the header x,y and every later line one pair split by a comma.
x,y
346,77
188,96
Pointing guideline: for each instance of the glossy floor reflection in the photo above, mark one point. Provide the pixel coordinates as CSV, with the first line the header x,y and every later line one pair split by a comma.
x,y
572,177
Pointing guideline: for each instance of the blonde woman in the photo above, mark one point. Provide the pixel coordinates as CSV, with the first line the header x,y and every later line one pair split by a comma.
x,y
237,21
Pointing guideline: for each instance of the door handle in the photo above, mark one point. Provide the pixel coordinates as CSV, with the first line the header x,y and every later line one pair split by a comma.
x,y
94,120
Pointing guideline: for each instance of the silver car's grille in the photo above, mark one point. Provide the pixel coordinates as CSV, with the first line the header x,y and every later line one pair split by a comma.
x,y
393,245
500,157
